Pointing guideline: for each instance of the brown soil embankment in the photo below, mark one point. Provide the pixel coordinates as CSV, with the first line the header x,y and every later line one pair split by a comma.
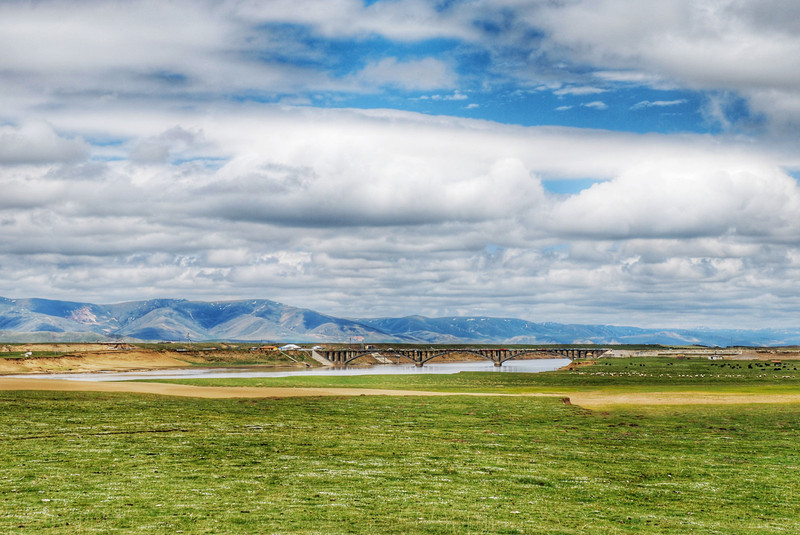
x,y
94,361
83,358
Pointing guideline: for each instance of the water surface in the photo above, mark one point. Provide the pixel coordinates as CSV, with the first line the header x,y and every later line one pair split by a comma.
x,y
512,366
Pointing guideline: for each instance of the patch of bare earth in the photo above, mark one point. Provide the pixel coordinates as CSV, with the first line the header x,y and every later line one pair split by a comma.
x,y
574,365
91,361
82,358
597,400
54,347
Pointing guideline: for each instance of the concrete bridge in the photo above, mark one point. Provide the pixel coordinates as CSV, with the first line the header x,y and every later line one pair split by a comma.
x,y
343,357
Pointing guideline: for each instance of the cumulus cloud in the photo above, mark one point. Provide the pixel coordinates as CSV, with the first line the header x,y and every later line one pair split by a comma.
x,y
159,148
670,199
311,206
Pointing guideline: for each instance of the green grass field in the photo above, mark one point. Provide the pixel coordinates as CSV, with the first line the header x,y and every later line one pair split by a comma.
x,y
119,463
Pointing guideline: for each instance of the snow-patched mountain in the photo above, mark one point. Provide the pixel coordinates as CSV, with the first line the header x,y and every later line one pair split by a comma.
x,y
177,319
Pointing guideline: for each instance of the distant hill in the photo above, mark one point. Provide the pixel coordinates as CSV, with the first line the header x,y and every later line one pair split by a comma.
x,y
264,320
176,319
511,331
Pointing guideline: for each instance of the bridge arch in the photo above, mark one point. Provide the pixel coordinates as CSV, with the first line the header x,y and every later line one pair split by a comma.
x,y
442,352
513,355
371,352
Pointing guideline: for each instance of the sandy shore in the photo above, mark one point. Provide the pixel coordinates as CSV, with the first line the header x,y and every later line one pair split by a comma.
x,y
584,399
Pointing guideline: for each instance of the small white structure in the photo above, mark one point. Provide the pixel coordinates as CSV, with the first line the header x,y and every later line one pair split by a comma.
x,y
289,347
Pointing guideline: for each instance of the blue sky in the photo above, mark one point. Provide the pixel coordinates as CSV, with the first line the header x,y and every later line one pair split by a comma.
x,y
570,95
605,161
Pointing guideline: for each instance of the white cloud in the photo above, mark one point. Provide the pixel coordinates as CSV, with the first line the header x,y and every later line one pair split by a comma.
x,y
78,52
189,192
596,104
69,37
159,148
81,51
457,95
35,142
670,199
631,77
415,75
745,46
579,91
333,208
658,104
407,20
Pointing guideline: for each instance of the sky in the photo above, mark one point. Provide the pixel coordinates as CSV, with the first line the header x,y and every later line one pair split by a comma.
x,y
574,161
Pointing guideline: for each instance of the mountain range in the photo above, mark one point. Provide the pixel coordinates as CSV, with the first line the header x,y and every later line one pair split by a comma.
x,y
263,320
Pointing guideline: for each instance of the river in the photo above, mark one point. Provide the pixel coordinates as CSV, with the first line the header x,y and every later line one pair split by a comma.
x,y
512,366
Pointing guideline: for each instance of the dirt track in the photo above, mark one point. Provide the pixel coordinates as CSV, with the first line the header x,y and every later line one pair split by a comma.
x,y
584,399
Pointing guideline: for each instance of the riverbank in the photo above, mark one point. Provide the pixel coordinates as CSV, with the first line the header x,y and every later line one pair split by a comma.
x,y
90,358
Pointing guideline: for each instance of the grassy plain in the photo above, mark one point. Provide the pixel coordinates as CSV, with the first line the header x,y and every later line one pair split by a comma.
x,y
122,463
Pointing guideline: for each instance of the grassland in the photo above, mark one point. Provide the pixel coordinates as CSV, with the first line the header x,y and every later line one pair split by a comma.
x,y
121,463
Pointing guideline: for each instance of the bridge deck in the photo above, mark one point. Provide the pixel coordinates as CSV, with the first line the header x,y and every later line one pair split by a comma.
x,y
421,356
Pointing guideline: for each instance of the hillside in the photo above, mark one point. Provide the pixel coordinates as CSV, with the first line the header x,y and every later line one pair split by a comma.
x,y
28,320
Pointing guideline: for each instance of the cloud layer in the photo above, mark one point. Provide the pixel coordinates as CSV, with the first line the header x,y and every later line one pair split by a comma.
x,y
238,150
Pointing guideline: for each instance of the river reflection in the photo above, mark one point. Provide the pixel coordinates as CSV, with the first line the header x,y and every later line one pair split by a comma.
x,y
512,366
